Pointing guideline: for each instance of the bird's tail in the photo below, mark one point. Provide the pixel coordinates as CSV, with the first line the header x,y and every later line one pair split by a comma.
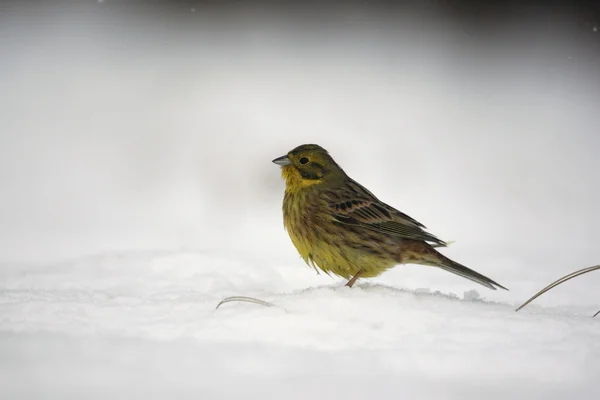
x,y
423,253
461,270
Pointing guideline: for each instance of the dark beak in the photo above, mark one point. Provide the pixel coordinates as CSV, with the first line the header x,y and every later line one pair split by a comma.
x,y
283,160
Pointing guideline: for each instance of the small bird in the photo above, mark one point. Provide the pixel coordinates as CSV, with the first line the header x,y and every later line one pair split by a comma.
x,y
341,228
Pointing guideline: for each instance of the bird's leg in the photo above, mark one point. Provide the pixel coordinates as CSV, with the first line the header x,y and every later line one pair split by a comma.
x,y
354,278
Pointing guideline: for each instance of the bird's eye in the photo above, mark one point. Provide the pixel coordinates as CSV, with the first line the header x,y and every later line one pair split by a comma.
x,y
303,160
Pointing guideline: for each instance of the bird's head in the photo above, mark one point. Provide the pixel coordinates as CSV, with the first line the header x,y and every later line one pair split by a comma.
x,y
309,165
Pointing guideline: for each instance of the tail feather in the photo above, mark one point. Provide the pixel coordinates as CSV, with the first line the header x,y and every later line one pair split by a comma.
x,y
461,270
418,252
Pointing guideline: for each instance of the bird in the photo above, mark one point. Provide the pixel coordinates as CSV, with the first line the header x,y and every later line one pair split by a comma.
x,y
341,228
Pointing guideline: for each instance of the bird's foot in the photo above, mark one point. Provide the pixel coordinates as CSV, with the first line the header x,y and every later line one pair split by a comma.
x,y
354,278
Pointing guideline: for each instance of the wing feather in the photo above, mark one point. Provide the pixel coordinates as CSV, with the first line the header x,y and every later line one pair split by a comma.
x,y
354,205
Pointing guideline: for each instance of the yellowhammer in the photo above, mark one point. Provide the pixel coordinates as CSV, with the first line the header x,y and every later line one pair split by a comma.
x,y
340,227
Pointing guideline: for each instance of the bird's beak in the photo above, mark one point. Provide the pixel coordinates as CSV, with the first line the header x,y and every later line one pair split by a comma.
x,y
283,160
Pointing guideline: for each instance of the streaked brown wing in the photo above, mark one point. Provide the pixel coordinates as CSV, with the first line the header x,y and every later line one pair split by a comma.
x,y
354,205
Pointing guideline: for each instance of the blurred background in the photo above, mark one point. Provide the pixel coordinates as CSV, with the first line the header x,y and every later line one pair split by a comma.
x,y
151,125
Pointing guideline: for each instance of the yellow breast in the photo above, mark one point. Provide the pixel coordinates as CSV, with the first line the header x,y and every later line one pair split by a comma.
x,y
322,244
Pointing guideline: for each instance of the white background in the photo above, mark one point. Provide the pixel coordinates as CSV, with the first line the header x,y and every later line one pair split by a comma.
x,y
137,191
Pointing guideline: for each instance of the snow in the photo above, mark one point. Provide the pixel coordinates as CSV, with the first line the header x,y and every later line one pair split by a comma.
x,y
144,325
138,192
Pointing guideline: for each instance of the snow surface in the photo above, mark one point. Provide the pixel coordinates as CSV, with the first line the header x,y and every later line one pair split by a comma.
x,y
144,325
137,192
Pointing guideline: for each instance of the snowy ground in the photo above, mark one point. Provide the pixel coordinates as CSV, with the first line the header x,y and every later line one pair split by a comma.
x,y
144,325
137,192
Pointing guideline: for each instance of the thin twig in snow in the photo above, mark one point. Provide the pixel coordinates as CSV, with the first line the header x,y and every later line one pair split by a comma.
x,y
558,282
